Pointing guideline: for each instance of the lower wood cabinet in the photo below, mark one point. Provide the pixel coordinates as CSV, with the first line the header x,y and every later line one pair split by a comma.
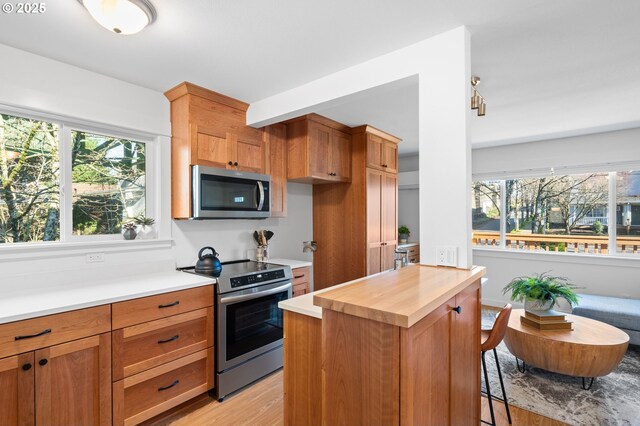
x,y
147,394
65,384
301,281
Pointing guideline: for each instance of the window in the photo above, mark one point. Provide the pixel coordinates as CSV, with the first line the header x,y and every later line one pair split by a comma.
x,y
567,213
38,159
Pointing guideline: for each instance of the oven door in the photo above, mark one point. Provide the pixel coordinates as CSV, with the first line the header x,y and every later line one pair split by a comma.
x,y
249,323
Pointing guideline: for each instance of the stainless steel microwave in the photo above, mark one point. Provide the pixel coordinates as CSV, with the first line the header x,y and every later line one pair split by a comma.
x,y
229,194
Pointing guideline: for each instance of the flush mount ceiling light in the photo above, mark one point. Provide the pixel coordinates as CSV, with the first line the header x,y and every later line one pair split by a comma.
x,y
121,16
477,101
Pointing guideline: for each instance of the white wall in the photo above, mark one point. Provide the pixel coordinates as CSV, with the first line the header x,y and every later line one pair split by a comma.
x,y
43,85
597,274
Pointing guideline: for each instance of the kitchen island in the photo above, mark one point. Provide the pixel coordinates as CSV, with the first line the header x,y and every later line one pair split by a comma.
x,y
400,347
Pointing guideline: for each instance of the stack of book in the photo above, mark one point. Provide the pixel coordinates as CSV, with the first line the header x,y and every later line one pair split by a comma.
x,y
546,320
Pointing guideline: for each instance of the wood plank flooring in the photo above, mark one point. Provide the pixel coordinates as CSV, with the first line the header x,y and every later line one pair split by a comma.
x,y
261,405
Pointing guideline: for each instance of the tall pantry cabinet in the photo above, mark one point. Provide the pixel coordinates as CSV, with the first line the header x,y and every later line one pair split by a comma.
x,y
356,224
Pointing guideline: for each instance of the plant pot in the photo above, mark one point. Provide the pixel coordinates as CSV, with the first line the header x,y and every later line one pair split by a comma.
x,y
129,234
146,232
537,305
404,238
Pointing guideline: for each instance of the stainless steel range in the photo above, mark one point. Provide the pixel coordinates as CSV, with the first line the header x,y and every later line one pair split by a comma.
x,y
249,324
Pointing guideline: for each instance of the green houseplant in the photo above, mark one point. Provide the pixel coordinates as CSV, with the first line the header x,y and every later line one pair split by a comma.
x,y
146,230
540,292
403,234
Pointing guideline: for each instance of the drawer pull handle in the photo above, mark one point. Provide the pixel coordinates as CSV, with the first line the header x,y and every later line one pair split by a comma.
x,y
458,309
168,305
298,276
170,339
29,336
43,362
168,386
26,367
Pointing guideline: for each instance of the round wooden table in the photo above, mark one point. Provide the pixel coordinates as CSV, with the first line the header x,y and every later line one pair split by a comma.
x,y
591,349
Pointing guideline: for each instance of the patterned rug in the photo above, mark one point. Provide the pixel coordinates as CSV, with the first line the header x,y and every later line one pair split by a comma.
x,y
612,400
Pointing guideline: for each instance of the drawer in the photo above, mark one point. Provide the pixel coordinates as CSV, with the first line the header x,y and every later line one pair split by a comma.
x,y
28,335
143,346
145,395
413,250
301,275
150,308
300,289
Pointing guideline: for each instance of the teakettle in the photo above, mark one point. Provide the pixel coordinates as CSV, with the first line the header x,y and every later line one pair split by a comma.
x,y
208,263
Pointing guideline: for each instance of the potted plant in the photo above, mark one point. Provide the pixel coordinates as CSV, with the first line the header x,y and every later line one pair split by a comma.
x,y
146,231
540,292
129,231
403,234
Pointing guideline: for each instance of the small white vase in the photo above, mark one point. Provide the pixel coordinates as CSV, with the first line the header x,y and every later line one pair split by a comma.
x,y
146,232
537,305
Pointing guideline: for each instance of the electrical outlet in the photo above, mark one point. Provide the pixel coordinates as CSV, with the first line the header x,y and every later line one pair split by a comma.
x,y
447,256
95,257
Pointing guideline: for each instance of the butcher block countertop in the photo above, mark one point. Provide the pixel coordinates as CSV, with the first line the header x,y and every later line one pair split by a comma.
x,y
402,297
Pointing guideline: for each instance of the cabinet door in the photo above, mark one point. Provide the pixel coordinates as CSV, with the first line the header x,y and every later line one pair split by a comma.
x,y
374,151
214,149
390,157
388,256
73,382
389,205
374,258
319,139
465,353
340,155
16,390
250,155
276,135
425,361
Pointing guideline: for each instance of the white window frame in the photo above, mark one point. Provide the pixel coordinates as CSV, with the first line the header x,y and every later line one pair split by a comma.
x,y
610,168
105,242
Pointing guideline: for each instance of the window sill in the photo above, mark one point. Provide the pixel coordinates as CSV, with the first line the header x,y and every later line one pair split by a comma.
x,y
631,261
21,251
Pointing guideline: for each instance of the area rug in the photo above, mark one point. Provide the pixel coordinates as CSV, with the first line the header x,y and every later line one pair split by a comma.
x,y
612,400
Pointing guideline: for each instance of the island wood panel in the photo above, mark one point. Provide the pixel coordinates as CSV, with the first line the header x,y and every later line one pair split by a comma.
x,y
73,386
17,390
402,297
360,362
302,369
63,327
425,364
150,308
143,346
465,353
276,147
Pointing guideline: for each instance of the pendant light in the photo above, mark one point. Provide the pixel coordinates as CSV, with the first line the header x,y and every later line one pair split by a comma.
x,y
121,16
477,101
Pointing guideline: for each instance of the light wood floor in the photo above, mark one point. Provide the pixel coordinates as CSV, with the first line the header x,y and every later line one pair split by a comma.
x,y
261,405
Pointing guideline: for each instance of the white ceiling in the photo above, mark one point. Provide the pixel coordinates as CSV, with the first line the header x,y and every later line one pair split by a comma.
x,y
549,68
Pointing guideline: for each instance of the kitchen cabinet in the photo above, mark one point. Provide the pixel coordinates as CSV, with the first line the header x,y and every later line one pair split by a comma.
x,y
382,150
209,129
276,142
319,150
162,354
413,252
301,281
58,370
357,222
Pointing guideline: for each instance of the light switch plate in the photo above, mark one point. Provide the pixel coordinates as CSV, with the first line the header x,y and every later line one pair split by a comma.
x,y
447,256
95,257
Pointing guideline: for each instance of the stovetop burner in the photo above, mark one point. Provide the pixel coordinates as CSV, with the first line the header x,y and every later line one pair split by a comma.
x,y
240,274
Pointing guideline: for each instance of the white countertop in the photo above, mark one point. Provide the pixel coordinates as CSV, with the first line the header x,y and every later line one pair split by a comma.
x,y
304,304
33,301
404,245
291,262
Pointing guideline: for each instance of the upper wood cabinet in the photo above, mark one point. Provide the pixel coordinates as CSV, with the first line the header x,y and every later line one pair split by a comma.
x,y
381,149
209,129
319,150
276,141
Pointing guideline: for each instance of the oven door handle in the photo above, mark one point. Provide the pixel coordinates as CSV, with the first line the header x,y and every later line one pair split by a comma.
x,y
233,299
261,193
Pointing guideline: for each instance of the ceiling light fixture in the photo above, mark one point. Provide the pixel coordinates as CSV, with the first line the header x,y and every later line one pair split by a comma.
x,y
477,101
121,16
